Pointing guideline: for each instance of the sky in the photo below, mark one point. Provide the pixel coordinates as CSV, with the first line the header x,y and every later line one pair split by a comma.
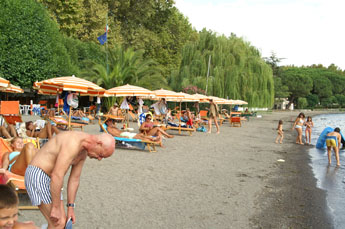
x,y
303,32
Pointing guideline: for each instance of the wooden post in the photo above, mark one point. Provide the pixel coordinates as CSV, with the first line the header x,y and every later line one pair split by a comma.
x,y
69,117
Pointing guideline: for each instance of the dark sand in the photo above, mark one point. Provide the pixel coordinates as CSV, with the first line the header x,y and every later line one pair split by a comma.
x,y
230,180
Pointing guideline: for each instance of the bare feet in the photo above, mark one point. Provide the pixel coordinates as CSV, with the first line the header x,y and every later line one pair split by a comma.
x,y
218,132
281,142
208,132
276,142
170,136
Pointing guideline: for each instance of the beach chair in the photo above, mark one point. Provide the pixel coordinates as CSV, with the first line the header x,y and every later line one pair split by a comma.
x,y
138,143
58,120
10,112
235,120
13,180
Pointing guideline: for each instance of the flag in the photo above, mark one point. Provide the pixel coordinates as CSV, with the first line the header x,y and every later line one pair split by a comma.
x,y
102,39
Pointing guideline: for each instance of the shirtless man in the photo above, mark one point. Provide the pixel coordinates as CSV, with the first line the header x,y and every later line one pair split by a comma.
x,y
114,131
44,176
114,110
333,140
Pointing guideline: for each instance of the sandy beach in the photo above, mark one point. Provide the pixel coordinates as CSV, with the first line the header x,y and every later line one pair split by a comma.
x,y
230,180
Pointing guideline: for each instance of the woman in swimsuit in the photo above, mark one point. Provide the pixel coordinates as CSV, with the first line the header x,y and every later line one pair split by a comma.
x,y
18,160
46,132
298,124
149,129
309,124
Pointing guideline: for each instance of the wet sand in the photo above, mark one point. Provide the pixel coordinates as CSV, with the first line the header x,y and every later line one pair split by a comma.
x,y
230,180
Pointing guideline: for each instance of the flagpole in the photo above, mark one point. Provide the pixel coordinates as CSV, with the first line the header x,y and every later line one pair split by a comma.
x,y
106,45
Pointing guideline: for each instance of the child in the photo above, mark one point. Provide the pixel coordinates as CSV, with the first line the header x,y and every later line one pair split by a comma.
x,y
309,124
280,132
9,210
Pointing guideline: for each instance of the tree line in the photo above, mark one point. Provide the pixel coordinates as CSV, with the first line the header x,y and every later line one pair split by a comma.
x,y
149,43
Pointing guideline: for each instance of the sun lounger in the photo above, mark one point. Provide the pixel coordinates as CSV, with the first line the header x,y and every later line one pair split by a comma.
x,y
64,122
180,127
235,121
10,112
138,143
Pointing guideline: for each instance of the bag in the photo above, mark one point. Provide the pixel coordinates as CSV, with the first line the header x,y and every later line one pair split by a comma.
x,y
201,129
72,100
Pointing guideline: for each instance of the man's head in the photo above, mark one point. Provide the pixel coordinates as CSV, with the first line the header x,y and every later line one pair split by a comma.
x,y
337,129
115,105
8,207
102,146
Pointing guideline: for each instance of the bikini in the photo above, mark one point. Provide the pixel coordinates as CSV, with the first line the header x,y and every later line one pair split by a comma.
x,y
11,157
300,123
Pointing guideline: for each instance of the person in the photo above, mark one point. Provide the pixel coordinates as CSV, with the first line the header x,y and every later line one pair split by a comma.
x,y
280,132
18,160
213,114
9,210
8,132
149,128
114,110
298,125
114,131
45,174
46,132
189,117
309,125
333,140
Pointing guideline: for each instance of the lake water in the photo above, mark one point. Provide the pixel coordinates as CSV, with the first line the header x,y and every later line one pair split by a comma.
x,y
330,178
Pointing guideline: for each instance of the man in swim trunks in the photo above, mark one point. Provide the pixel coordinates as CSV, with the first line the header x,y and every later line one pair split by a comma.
x,y
333,140
44,176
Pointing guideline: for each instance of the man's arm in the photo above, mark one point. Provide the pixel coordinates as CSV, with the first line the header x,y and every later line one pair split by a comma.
x,y
72,186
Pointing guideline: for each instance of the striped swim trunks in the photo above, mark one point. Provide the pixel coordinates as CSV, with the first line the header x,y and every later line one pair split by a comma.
x,y
37,184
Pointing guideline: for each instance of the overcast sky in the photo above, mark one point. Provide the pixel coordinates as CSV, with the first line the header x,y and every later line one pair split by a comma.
x,y
305,32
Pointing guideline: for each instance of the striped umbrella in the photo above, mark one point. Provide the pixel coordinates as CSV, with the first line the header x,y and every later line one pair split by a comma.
x,y
186,98
240,102
13,89
129,90
166,94
4,83
202,98
68,83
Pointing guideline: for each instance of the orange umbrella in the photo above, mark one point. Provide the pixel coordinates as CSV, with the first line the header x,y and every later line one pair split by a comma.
x,y
166,94
129,90
13,89
68,83
4,83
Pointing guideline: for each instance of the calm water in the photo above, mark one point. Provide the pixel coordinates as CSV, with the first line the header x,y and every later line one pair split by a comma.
x,y
330,178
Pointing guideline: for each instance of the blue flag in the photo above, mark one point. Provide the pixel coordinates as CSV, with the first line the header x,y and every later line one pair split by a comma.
x,y
103,38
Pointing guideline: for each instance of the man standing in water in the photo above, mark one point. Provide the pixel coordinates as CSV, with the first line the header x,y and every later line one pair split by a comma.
x,y
333,140
45,174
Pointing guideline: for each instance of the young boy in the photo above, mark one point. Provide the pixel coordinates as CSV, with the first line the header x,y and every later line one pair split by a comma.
x,y
9,210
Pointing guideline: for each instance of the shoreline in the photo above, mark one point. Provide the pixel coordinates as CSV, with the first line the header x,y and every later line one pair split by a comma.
x,y
230,180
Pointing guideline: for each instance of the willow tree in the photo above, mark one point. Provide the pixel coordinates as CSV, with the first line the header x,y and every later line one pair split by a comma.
x,y
237,70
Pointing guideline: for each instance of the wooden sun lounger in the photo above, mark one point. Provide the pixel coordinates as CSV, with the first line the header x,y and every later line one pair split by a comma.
x,y
180,129
64,122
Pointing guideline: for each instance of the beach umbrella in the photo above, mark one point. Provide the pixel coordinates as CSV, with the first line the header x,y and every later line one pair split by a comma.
x,y
4,83
166,94
239,102
12,89
128,90
56,85
202,98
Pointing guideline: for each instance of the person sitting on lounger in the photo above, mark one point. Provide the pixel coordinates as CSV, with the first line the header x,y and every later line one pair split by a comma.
x,y
114,131
8,132
9,210
18,160
46,132
149,128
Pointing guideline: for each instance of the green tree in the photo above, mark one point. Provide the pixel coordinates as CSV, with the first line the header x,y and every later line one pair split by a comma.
x,y
312,100
30,44
302,103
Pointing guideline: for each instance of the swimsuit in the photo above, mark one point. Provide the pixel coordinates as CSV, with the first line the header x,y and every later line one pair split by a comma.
x,y
331,141
11,157
128,134
37,184
300,124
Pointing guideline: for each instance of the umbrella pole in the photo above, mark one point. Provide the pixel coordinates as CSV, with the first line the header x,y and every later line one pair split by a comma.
x,y
69,118
179,121
127,117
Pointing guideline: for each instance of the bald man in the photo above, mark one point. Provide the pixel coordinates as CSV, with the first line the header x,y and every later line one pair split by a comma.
x,y
45,174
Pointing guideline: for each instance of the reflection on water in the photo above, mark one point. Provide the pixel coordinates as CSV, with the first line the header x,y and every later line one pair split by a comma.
x,y
330,178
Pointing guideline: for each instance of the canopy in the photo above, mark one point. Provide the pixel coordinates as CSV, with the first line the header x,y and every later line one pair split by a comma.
x,y
4,83
12,89
68,83
162,93
129,90
186,98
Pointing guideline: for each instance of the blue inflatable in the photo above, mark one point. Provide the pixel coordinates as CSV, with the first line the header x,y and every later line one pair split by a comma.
x,y
321,141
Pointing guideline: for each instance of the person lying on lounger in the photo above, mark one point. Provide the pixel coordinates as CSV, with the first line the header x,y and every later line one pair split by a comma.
x,y
46,132
150,129
114,131
8,132
17,161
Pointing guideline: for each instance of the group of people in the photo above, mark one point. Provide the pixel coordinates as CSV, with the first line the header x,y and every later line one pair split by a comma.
x,y
333,139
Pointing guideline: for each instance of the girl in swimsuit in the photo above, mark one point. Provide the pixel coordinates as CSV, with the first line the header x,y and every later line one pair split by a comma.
x,y
309,124
18,160
298,124
46,132
149,129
